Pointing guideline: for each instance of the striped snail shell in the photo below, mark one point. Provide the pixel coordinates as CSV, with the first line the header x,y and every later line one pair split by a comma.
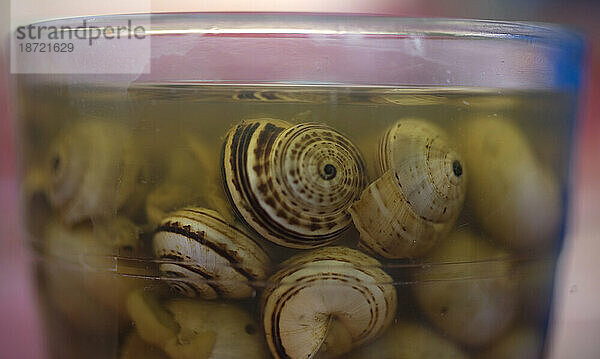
x,y
418,196
292,184
207,257
331,295
93,169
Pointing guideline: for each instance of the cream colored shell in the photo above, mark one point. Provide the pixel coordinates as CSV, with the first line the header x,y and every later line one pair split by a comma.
x,y
331,295
203,255
85,279
292,184
467,289
410,340
93,168
522,342
515,198
418,196
192,178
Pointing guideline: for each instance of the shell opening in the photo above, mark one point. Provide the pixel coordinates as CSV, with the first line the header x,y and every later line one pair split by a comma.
x,y
56,163
457,168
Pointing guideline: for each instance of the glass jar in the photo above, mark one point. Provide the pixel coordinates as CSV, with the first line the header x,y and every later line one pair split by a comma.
x,y
298,186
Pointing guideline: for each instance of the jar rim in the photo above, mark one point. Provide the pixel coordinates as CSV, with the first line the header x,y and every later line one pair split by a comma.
x,y
269,23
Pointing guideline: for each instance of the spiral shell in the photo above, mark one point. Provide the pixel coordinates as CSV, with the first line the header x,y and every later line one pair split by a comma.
x,y
419,195
206,256
410,340
326,296
93,169
292,184
469,291
515,198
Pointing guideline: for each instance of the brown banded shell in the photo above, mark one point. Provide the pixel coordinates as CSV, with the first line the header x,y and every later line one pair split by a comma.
x,y
326,302
207,257
93,168
292,184
419,195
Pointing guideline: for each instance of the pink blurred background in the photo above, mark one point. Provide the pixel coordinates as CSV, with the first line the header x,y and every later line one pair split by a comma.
x,y
576,325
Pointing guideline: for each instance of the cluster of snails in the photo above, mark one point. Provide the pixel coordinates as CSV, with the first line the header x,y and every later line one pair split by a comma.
x,y
210,226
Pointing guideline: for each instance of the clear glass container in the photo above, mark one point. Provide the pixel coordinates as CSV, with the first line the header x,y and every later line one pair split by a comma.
x,y
300,186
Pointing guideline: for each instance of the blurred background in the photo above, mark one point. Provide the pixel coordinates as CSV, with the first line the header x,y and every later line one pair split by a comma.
x,y
576,318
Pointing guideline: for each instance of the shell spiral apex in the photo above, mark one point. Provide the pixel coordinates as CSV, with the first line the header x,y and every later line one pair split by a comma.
x,y
418,196
292,184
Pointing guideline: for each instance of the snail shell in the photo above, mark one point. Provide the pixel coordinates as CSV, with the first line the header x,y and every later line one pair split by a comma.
x,y
326,296
192,179
207,257
93,169
410,340
418,197
80,264
292,184
523,342
195,329
516,199
469,290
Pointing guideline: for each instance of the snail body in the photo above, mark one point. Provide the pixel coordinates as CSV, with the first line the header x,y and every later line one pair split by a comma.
x,y
515,198
292,184
188,328
330,295
135,347
418,196
207,257
93,168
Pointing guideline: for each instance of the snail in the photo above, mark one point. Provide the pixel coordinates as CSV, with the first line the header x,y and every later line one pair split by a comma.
x,y
325,302
523,342
292,184
84,278
208,257
515,198
192,178
35,201
467,289
534,279
410,340
93,169
184,328
135,348
418,196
